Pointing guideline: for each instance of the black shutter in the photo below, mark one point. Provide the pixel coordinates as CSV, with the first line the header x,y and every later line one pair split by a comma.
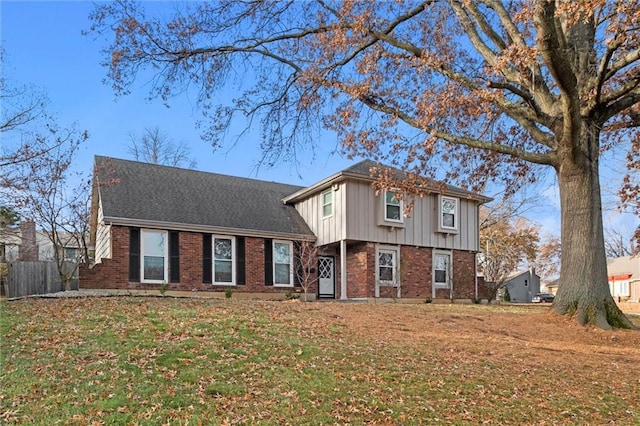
x,y
134,254
207,261
297,263
240,268
268,261
174,257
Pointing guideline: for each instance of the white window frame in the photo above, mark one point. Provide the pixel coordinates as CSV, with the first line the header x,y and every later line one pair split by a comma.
x,y
395,256
385,204
456,214
213,259
165,254
622,288
291,263
449,271
324,204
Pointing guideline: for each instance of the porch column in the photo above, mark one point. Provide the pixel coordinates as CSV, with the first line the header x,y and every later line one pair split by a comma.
x,y
343,269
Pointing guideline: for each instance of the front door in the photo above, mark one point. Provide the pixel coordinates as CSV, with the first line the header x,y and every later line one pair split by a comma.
x,y
326,281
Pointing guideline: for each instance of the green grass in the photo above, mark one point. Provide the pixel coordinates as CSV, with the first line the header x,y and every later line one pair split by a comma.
x,y
170,361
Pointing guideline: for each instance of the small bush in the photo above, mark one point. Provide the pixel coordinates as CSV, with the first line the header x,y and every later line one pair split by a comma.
x,y
291,295
507,296
428,300
163,288
476,300
228,293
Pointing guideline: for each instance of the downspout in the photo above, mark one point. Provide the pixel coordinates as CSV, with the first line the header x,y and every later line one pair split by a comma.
x,y
475,272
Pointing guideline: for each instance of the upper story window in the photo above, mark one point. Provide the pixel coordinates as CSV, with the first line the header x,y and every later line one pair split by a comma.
x,y
392,207
154,250
283,263
327,203
449,208
223,260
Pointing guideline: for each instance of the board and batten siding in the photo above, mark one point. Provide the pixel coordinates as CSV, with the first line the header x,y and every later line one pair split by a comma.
x,y
103,238
330,229
356,217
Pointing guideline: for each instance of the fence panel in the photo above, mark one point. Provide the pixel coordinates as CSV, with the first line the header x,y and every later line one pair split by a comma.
x,y
28,278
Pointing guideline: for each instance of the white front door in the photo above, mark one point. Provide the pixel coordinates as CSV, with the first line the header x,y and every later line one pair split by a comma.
x,y
326,281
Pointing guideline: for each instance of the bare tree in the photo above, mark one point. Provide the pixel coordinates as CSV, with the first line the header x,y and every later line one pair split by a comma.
x,y
616,244
476,91
306,260
156,147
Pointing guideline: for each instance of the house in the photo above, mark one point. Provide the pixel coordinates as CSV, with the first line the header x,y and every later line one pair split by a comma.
x,y
522,285
201,231
25,243
624,278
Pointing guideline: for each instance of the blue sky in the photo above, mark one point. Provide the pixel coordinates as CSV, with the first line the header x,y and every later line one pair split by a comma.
x,y
44,46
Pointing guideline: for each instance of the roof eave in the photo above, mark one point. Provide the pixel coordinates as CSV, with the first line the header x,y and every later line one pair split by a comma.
x,y
174,226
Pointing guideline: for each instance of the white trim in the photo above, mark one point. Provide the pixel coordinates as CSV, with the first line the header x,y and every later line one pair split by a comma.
x,y
185,227
343,269
213,259
456,214
273,262
323,204
449,271
165,254
395,280
400,207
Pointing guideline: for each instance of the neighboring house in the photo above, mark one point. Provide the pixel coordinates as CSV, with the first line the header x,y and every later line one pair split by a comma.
x,y
624,278
202,231
552,287
25,243
522,285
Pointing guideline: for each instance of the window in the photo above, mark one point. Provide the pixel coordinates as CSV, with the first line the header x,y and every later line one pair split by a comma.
x,y
448,213
223,260
71,254
387,266
327,204
441,269
392,207
282,263
622,288
154,256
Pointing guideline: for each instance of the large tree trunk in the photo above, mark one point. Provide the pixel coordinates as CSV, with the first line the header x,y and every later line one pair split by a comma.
x,y
583,289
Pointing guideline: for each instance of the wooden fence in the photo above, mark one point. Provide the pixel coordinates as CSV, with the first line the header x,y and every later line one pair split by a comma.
x,y
28,278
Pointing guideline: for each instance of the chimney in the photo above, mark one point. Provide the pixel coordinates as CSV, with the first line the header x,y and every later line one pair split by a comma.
x,y
28,247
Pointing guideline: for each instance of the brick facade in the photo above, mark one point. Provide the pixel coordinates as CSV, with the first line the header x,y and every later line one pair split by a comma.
x,y
416,272
114,273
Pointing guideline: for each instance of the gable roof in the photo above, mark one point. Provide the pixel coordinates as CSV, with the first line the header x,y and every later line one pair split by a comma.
x,y
362,171
626,265
144,194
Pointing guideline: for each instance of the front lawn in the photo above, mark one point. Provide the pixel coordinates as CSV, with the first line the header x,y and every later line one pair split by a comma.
x,y
151,361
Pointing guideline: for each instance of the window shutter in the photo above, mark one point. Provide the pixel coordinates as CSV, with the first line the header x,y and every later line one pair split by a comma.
x,y
297,263
207,261
268,261
134,254
240,268
174,257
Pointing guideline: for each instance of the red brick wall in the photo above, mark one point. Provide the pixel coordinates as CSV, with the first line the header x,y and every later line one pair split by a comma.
x,y
415,270
114,273
361,270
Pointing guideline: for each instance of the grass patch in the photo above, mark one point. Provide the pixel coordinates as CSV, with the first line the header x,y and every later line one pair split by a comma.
x,y
187,361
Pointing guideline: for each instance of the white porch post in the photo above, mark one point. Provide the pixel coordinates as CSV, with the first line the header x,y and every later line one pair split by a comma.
x,y
343,269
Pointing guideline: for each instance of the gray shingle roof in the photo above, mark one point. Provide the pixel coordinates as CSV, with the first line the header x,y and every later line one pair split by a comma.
x,y
169,195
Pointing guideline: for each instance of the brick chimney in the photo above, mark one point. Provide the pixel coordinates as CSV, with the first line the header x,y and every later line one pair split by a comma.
x,y
28,246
